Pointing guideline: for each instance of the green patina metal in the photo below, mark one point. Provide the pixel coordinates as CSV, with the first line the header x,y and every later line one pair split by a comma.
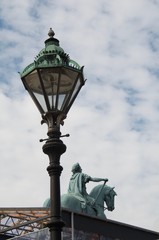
x,y
77,199
51,56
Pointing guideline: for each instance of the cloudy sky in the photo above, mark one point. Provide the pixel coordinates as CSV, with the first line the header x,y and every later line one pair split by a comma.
x,y
114,122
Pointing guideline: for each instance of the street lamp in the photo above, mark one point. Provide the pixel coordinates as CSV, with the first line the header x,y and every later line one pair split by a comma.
x,y
53,81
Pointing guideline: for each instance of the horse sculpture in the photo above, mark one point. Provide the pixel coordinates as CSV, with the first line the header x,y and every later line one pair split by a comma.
x,y
101,193
78,200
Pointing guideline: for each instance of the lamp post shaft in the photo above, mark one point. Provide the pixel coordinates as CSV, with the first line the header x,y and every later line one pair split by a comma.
x,y
54,148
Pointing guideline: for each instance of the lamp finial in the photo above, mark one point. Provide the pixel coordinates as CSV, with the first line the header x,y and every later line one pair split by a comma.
x,y
51,33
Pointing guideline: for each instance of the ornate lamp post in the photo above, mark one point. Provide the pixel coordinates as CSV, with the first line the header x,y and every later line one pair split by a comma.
x,y
53,81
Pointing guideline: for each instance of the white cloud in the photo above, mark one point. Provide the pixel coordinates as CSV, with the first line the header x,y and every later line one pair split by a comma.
x,y
114,121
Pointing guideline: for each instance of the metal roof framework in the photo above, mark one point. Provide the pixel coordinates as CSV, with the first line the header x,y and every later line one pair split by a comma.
x,y
19,221
16,222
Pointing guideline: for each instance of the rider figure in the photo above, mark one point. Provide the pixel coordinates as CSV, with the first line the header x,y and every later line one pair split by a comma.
x,y
77,186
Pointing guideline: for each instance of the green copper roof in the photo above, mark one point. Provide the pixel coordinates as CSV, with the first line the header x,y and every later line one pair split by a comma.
x,y
52,55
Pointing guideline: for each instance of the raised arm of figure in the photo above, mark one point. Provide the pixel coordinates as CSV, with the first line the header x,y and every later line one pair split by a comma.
x,y
98,179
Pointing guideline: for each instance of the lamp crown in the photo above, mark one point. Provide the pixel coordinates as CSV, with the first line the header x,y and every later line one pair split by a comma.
x,y
52,55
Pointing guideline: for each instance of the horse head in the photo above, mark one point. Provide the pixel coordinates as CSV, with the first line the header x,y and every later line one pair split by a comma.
x,y
109,197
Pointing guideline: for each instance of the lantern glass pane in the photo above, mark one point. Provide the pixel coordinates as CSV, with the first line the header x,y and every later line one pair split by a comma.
x,y
66,86
34,87
50,80
61,101
67,80
58,84
76,89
